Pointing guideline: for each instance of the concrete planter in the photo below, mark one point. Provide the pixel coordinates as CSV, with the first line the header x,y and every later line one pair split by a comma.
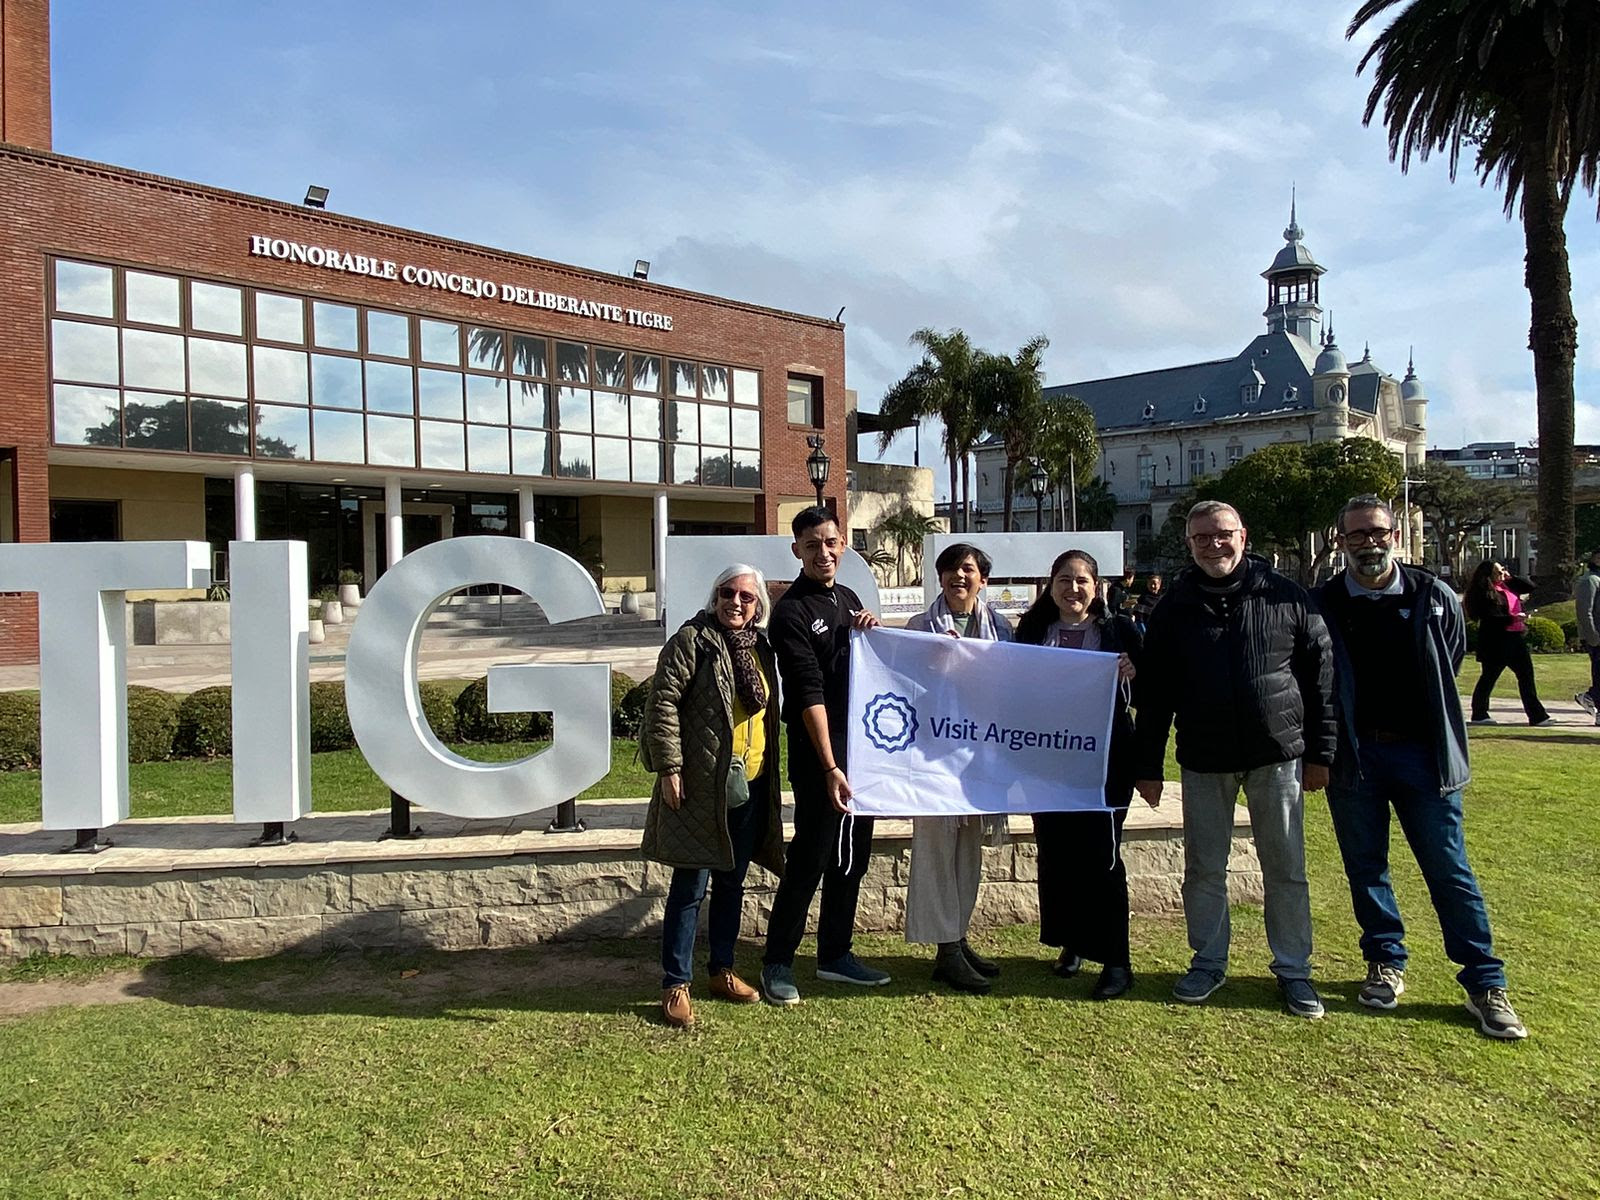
x,y
317,632
332,612
350,595
629,604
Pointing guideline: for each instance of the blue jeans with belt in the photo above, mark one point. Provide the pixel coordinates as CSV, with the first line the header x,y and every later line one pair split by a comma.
x,y
1405,776
747,824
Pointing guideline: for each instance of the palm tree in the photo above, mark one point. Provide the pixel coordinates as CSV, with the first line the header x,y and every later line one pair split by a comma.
x,y
1010,396
1069,446
904,529
1518,82
938,386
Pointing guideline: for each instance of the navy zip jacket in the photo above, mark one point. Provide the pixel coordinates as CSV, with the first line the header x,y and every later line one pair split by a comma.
x,y
1441,639
1248,677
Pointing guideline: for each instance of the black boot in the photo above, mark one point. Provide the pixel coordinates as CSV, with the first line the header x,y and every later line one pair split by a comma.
x,y
952,967
980,964
1113,982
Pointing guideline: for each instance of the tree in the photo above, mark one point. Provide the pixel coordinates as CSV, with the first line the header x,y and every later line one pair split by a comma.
x,y
904,529
1457,506
1009,391
1097,504
939,386
1517,81
1289,494
1068,445
881,562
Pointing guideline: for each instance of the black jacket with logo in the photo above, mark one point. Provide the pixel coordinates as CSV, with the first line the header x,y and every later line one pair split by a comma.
x,y
1248,676
810,631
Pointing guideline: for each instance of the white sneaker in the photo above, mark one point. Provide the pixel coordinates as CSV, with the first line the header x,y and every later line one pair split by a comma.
x,y
1586,702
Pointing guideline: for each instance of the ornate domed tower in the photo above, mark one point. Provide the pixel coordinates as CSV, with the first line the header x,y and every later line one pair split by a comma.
x,y
1331,383
1293,304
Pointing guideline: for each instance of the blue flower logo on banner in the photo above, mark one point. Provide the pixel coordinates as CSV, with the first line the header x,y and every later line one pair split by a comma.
x,y
890,722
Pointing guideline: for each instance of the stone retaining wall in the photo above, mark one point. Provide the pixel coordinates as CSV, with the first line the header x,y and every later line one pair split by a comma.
x,y
457,903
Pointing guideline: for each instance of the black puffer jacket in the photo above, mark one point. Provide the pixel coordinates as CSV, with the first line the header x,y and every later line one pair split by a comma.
x,y
1248,676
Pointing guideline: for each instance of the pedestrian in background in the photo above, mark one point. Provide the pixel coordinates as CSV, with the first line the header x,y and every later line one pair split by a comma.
x,y
1586,599
1494,600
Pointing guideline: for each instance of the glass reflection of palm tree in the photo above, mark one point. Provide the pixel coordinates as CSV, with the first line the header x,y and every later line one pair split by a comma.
x,y
214,428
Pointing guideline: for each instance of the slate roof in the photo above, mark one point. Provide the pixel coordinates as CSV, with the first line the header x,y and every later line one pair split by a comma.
x,y
1284,360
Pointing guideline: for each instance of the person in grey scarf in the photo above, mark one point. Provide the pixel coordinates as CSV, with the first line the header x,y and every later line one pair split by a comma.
x,y
947,852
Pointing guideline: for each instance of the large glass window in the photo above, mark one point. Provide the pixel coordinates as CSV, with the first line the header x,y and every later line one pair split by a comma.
x,y
155,362
804,408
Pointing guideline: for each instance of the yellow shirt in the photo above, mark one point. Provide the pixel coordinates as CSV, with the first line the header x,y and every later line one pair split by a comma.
x,y
750,731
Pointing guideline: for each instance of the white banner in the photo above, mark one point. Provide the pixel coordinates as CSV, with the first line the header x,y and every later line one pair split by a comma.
x,y
943,726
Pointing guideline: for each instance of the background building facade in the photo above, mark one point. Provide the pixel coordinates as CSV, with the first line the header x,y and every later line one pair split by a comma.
x,y
181,361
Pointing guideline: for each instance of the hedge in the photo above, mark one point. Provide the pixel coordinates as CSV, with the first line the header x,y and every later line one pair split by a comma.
x,y
627,709
475,723
205,724
152,723
1545,635
439,706
19,730
330,719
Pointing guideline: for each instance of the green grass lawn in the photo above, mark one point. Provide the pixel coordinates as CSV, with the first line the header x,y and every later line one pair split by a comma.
x,y
544,1071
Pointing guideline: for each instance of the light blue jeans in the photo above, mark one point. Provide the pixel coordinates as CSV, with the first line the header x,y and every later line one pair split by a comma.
x,y
1277,812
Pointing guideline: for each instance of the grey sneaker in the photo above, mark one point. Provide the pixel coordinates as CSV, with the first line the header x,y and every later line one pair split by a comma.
x,y
1483,721
1586,702
777,985
1196,986
1542,722
1300,999
850,969
1495,1015
1384,986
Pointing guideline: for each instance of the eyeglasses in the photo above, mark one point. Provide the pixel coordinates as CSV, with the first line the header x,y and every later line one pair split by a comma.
x,y
1220,537
1377,535
728,593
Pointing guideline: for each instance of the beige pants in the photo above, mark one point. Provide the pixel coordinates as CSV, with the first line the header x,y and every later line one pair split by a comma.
x,y
946,863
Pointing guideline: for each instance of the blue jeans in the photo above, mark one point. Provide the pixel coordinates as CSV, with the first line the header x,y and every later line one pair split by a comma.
x,y
1277,813
747,824
1406,777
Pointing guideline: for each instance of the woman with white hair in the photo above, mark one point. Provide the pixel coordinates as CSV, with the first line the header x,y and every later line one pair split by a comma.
x,y
710,735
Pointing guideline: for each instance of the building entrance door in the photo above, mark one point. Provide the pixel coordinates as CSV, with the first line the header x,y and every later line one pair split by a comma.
x,y
421,525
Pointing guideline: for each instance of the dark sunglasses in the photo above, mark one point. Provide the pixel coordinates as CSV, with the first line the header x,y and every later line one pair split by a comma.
x,y
728,593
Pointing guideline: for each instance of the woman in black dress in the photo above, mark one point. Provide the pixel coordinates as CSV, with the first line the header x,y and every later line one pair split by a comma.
x,y
1083,885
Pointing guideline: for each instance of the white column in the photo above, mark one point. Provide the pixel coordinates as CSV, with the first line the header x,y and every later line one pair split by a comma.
x,y
395,537
659,528
525,511
244,502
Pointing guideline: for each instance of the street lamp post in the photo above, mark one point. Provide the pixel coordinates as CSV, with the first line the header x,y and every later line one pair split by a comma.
x,y
979,520
817,464
1039,481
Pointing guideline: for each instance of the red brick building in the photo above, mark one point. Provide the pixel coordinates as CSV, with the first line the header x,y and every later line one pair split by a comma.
x,y
180,361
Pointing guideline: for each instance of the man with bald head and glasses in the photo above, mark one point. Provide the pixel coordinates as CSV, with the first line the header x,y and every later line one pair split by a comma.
x,y
1398,641
1237,655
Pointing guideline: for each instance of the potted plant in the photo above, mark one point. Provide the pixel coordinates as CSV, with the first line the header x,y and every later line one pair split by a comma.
x,y
332,610
317,633
629,604
350,589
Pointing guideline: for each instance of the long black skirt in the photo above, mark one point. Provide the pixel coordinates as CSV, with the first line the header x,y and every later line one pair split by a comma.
x,y
1083,885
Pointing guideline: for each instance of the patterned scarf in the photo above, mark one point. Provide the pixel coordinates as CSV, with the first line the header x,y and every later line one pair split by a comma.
x,y
981,624
747,681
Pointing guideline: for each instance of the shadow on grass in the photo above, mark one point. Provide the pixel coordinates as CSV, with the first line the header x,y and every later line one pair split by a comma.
x,y
617,978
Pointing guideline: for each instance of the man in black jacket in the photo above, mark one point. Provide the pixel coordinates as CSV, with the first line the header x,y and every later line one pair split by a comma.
x,y
1398,641
1238,655
810,631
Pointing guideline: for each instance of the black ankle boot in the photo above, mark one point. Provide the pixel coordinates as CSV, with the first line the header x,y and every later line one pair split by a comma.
x,y
951,967
980,964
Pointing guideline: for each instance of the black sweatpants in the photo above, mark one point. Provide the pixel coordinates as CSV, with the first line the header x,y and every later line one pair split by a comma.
x,y
812,859
1497,653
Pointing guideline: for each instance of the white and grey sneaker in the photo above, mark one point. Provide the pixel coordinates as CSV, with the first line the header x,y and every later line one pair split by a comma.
x,y
1384,986
1496,1017
1586,702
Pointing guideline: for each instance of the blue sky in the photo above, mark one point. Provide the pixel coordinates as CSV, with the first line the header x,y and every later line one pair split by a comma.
x,y
1112,175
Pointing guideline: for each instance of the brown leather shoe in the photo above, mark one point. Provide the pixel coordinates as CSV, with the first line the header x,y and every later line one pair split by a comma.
x,y
675,1006
725,985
